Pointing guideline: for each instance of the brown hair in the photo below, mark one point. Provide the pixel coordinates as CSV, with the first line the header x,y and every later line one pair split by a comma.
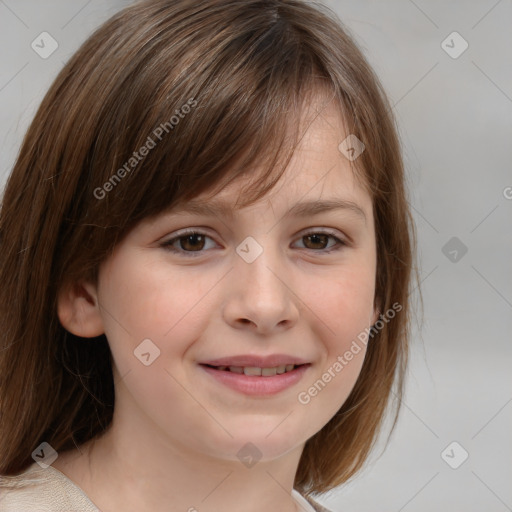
x,y
244,68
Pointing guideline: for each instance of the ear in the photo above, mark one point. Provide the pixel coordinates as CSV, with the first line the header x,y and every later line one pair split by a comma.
x,y
78,310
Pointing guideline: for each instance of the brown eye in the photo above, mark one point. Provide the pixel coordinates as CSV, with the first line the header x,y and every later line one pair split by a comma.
x,y
318,241
195,243
190,243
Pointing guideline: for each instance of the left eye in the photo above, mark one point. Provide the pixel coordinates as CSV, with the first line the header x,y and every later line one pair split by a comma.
x,y
194,242
318,237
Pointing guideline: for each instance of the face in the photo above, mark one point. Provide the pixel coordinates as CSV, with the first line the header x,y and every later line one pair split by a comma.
x,y
268,283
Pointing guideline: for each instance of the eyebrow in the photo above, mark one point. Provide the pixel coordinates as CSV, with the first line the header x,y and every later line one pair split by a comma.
x,y
219,208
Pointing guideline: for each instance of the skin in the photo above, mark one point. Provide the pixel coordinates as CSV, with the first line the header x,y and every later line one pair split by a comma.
x,y
176,431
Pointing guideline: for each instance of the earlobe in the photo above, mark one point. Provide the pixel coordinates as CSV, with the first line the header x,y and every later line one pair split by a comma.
x,y
78,311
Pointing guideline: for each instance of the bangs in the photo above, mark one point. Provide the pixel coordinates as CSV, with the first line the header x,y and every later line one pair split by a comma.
x,y
207,111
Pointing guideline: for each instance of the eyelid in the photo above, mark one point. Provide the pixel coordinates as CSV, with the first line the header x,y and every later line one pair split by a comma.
x,y
324,231
341,240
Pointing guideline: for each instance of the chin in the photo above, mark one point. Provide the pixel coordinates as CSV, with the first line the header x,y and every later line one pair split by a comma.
x,y
268,443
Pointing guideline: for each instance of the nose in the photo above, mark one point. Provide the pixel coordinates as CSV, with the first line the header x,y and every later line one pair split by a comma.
x,y
260,294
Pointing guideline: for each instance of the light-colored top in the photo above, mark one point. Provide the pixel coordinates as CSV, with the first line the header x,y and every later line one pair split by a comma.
x,y
39,489
307,506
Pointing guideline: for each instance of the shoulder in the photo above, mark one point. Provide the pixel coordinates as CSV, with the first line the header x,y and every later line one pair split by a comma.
x,y
42,490
317,506
308,504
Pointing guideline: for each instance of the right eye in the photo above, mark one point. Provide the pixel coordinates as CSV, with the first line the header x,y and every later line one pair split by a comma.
x,y
189,242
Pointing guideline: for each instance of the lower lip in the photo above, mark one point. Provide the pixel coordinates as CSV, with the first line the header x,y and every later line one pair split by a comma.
x,y
255,385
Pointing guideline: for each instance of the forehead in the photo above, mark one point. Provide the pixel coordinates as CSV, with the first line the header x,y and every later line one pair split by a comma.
x,y
319,177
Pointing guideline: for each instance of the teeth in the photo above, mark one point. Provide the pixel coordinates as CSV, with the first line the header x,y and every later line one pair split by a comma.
x,y
255,371
252,370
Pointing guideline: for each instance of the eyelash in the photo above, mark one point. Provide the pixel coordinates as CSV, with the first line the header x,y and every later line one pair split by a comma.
x,y
169,243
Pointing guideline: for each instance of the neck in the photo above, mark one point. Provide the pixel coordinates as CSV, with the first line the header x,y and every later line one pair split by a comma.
x,y
126,469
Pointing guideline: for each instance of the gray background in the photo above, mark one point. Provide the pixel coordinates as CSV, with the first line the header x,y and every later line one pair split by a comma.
x,y
455,118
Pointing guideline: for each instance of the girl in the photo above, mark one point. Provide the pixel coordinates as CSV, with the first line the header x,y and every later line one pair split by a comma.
x,y
206,254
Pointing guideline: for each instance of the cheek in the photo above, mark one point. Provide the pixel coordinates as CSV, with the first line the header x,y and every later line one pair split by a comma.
x,y
146,300
143,301
344,306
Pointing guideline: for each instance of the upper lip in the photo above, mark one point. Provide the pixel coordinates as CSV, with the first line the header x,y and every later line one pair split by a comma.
x,y
270,361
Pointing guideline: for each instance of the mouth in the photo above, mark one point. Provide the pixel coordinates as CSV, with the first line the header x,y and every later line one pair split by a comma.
x,y
256,381
256,371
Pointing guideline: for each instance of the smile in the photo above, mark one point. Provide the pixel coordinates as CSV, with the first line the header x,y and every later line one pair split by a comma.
x,y
255,370
257,381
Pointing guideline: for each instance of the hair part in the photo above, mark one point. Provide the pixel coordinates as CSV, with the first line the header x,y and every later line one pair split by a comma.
x,y
251,66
